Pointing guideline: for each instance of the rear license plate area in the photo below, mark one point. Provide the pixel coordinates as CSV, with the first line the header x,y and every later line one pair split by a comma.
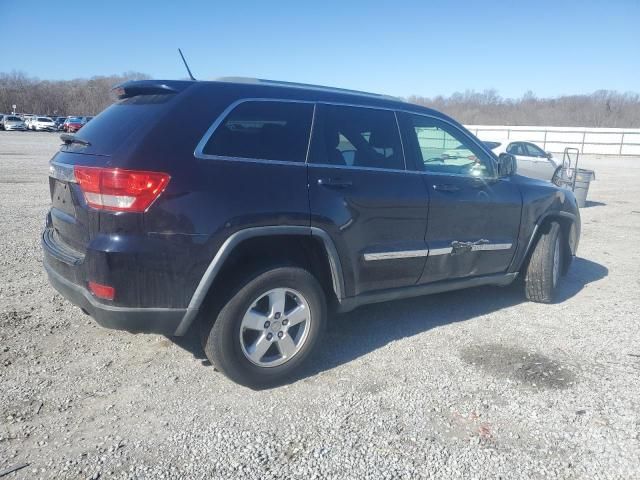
x,y
61,197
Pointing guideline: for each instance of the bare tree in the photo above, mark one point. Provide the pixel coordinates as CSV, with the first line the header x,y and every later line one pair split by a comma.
x,y
603,108
62,97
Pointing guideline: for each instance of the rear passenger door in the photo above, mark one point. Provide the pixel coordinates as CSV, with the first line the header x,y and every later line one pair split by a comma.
x,y
362,195
255,154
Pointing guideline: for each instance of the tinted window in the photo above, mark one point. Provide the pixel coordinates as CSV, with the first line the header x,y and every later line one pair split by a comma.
x,y
442,148
358,137
122,121
534,151
264,130
13,119
515,149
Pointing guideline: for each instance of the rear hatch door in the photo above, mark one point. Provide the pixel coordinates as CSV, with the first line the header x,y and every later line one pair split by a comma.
x,y
107,141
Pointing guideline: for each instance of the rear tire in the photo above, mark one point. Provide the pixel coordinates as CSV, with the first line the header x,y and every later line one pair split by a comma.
x,y
267,328
545,266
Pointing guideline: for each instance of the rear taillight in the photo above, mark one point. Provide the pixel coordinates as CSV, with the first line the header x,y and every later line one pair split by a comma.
x,y
120,190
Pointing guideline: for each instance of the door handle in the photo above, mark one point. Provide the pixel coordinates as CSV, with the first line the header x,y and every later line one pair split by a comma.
x,y
334,183
446,187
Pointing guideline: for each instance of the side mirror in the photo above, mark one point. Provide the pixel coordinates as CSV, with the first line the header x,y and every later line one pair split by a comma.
x,y
507,165
548,155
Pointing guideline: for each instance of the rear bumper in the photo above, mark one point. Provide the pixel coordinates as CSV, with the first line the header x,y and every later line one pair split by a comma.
x,y
149,320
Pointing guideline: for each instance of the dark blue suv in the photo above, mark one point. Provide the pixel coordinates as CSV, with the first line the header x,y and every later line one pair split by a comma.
x,y
249,209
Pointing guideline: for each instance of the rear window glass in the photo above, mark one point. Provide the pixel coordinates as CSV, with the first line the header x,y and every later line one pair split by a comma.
x,y
267,130
119,122
44,120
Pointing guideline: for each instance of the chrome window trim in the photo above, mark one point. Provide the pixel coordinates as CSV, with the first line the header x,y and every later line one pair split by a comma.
x,y
471,137
375,169
250,160
198,152
404,155
347,167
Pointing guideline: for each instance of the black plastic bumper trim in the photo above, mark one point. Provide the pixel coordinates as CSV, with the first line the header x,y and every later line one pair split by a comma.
x,y
164,321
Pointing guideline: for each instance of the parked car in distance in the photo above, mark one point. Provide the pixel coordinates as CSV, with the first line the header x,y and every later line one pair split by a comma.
x,y
532,160
13,122
59,121
43,124
72,124
161,219
27,121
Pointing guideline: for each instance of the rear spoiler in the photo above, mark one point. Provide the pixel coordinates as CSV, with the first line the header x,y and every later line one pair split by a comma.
x,y
133,88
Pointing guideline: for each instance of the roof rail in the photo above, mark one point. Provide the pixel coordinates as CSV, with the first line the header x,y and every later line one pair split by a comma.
x,y
307,86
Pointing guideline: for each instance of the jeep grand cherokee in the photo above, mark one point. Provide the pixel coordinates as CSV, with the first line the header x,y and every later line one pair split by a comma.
x,y
248,209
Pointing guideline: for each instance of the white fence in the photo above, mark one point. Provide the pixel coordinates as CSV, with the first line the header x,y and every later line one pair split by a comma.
x,y
601,141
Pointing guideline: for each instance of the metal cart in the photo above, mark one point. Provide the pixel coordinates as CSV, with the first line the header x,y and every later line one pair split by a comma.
x,y
568,175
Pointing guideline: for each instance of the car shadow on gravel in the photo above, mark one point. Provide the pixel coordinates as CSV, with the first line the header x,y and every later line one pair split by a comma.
x,y
591,203
354,334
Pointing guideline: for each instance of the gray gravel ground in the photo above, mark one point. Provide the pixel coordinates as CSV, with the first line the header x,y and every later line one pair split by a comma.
x,y
470,384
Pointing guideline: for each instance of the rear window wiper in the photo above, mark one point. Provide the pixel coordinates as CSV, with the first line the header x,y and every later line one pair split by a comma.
x,y
68,139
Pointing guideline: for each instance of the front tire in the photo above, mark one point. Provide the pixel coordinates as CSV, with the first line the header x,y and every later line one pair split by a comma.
x,y
267,328
545,266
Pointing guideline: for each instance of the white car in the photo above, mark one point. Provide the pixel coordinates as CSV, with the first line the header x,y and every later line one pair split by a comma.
x,y
531,159
13,122
27,121
42,124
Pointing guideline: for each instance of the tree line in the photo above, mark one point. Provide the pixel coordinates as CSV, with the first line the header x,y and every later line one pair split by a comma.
x,y
59,97
603,108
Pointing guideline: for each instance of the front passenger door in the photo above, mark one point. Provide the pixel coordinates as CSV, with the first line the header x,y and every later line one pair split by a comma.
x,y
474,217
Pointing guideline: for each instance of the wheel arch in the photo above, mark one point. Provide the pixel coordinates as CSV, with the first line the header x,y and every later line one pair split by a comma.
x,y
243,240
569,225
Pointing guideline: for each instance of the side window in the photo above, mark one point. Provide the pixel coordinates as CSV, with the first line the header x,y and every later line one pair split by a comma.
x,y
515,149
266,130
442,148
356,137
533,150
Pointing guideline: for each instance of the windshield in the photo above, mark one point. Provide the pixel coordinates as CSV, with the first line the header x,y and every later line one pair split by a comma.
x,y
13,119
44,120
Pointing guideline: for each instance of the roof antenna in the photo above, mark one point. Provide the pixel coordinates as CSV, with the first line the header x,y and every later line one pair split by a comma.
x,y
186,66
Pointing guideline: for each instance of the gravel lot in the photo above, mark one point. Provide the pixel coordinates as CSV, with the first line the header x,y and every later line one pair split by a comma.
x,y
470,384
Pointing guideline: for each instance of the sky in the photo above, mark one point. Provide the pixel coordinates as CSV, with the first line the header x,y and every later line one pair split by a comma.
x,y
415,47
